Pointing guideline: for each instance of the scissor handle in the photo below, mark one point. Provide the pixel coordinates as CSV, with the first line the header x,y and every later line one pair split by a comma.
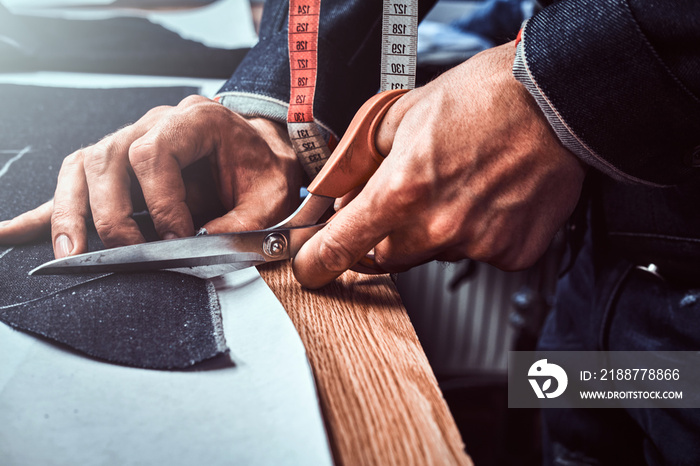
x,y
356,157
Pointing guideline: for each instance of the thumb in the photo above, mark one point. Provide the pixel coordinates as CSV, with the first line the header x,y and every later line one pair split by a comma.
x,y
351,234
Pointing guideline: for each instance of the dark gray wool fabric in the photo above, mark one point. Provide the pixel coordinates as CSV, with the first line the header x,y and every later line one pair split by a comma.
x,y
158,320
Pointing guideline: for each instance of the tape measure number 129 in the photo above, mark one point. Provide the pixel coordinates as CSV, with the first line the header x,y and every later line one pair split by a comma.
x,y
398,69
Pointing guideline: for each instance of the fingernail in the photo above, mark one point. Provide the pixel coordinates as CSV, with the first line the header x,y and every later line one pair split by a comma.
x,y
202,232
170,235
63,246
337,204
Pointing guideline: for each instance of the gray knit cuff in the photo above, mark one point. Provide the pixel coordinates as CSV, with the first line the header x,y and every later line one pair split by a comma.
x,y
256,105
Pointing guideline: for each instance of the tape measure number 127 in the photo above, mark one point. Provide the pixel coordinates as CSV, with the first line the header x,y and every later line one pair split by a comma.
x,y
398,69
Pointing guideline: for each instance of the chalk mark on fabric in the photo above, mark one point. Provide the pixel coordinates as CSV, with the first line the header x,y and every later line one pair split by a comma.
x,y
9,306
6,252
19,155
216,317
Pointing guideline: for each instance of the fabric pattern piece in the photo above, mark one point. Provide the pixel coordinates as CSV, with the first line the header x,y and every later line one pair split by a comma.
x,y
157,320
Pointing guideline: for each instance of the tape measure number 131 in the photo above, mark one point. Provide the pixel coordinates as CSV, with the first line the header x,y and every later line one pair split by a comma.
x,y
398,69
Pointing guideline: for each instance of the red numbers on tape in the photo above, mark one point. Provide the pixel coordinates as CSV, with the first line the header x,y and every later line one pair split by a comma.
x,y
303,41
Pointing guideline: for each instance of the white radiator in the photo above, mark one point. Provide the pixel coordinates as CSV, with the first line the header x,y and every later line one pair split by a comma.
x,y
472,328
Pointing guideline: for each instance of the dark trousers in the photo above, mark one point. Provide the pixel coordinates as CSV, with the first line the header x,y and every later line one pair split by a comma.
x,y
605,303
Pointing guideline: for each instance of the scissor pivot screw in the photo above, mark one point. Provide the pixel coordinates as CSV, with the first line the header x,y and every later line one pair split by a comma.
x,y
275,245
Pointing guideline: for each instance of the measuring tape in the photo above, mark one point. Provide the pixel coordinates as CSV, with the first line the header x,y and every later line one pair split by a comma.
x,y
399,44
398,69
309,144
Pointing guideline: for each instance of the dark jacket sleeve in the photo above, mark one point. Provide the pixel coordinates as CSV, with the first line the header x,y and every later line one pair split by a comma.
x,y
619,81
349,52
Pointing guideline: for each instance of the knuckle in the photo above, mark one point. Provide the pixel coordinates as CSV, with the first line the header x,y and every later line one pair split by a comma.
x,y
443,230
61,216
160,212
523,259
172,216
483,251
207,111
512,258
407,191
156,111
143,154
191,100
73,159
334,255
109,231
250,224
390,263
488,242
95,159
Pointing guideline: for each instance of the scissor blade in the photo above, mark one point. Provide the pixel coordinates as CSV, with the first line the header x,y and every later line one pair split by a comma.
x,y
202,256
181,253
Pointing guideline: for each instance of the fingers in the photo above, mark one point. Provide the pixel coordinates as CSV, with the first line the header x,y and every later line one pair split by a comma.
x,y
157,158
155,148
106,174
28,226
391,214
108,183
98,180
259,208
70,208
345,240
163,189
242,218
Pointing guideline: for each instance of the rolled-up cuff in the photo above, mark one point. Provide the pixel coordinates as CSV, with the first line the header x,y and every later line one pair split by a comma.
x,y
255,105
566,135
607,92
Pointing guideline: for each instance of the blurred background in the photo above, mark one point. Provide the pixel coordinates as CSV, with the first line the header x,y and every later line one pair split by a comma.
x,y
467,315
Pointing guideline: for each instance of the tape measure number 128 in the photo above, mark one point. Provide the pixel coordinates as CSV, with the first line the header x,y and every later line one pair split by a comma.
x,y
398,69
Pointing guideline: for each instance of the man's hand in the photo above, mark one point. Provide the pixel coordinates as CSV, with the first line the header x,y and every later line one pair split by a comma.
x,y
253,170
473,170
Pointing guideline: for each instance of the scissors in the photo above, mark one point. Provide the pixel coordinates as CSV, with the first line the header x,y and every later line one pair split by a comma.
x,y
350,165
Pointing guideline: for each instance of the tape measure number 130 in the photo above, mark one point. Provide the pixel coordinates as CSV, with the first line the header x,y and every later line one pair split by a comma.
x,y
399,44
398,69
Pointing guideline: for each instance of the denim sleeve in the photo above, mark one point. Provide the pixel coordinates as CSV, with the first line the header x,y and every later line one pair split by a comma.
x,y
349,54
619,81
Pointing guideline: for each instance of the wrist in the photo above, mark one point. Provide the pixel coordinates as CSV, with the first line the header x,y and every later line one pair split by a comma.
x,y
275,134
277,138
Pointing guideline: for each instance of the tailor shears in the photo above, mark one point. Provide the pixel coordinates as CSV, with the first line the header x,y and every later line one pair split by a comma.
x,y
351,164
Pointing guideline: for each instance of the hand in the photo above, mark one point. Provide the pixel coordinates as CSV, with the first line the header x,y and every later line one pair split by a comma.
x,y
473,170
254,173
